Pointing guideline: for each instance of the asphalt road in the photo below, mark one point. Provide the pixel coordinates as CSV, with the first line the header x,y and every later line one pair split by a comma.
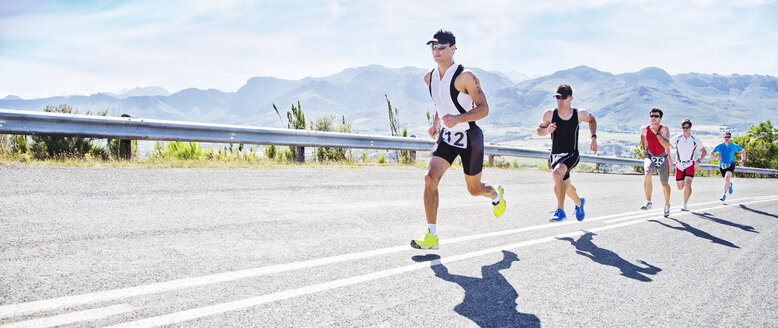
x,y
322,247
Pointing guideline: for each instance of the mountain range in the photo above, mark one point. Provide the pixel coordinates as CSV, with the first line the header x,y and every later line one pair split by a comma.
x,y
619,101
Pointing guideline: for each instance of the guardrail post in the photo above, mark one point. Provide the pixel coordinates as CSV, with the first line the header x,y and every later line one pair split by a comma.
x,y
125,146
413,153
491,160
299,153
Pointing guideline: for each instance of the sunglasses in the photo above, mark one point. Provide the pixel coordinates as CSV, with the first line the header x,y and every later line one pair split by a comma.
x,y
686,127
560,97
727,137
439,46
654,116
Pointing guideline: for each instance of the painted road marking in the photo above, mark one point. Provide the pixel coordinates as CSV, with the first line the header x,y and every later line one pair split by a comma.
x,y
115,294
211,310
73,317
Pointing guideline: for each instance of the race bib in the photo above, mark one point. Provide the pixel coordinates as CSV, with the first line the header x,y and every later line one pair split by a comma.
x,y
657,161
456,139
725,166
682,165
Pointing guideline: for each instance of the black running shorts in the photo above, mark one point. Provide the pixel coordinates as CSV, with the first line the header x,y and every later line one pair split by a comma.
x,y
730,168
569,159
472,156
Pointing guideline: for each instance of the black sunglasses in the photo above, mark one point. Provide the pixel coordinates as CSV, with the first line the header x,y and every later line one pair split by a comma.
x,y
560,97
654,115
686,127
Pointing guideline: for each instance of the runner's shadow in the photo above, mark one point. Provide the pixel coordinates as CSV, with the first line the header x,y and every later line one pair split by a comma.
x,y
757,211
710,217
490,301
585,247
697,232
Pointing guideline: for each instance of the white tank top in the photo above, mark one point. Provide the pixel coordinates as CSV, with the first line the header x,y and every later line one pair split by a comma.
x,y
441,95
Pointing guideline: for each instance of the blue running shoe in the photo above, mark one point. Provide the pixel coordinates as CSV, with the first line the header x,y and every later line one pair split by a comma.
x,y
730,188
559,215
723,198
579,211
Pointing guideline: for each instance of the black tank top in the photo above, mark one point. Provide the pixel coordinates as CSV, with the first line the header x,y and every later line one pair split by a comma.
x,y
565,138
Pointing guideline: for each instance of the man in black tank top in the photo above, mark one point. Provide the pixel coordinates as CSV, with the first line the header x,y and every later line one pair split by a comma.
x,y
562,123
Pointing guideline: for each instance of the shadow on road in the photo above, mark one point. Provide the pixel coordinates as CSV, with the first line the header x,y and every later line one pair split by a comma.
x,y
711,217
585,247
697,232
758,211
489,301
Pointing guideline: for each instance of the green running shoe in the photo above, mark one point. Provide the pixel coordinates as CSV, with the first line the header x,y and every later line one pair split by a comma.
x,y
499,208
429,242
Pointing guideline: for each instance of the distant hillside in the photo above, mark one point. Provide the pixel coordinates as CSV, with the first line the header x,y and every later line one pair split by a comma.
x,y
620,102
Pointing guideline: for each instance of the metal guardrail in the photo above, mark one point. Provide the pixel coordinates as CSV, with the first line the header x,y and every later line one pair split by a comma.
x,y
133,128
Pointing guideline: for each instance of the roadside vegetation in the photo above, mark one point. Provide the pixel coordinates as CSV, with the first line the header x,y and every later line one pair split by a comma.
x,y
760,143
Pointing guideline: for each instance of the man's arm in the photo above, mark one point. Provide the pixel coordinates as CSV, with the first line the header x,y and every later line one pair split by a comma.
x,y
585,116
469,84
433,130
545,127
643,142
664,137
716,153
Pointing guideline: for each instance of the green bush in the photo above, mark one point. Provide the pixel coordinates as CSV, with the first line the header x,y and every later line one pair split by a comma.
x,y
326,123
178,150
271,151
405,155
761,145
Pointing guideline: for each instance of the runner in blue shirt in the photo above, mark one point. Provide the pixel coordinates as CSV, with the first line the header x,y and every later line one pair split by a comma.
x,y
726,156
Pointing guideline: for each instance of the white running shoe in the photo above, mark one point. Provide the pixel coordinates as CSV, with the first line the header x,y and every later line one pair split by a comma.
x,y
647,206
667,211
683,208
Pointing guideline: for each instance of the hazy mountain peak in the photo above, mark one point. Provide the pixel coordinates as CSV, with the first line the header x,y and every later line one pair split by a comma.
x,y
647,75
139,92
144,92
585,73
12,97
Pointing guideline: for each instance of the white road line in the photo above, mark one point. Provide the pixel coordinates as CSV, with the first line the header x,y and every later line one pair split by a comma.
x,y
115,294
658,213
68,318
282,295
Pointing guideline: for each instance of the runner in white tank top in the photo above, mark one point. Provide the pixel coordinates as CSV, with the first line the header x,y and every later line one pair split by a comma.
x,y
459,102
684,146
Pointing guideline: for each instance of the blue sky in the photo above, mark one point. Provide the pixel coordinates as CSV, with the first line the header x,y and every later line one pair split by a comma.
x,y
50,48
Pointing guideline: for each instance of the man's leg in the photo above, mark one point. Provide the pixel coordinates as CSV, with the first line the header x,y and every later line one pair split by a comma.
x,y
572,192
435,171
679,184
666,190
478,188
687,191
559,184
648,187
727,178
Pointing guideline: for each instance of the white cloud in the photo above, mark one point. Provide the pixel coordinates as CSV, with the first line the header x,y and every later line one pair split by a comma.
x,y
221,44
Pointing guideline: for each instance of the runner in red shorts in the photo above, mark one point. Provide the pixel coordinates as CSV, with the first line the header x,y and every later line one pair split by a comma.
x,y
685,145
